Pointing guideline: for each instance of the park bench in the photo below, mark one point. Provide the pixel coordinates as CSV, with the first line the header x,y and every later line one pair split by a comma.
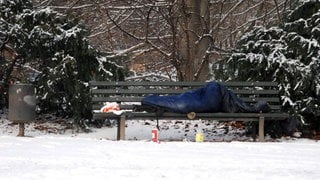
x,y
126,94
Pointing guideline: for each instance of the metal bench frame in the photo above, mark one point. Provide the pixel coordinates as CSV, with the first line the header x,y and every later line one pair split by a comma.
x,y
126,93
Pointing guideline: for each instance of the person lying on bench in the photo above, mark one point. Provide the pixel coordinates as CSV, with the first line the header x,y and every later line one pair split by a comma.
x,y
213,97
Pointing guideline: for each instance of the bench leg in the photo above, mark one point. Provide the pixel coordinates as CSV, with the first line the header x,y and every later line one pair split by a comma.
x,y
121,128
254,131
261,129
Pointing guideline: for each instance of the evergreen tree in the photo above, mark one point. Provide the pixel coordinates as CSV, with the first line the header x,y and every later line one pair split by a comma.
x,y
57,50
288,54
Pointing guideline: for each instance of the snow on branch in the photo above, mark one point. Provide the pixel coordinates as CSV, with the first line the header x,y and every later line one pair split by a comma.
x,y
108,7
68,7
156,4
158,49
126,51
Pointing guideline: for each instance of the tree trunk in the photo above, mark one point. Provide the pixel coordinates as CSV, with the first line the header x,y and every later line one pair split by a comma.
x,y
194,40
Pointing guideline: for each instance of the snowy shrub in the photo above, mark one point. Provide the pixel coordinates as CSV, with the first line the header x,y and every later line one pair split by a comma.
x,y
288,54
55,47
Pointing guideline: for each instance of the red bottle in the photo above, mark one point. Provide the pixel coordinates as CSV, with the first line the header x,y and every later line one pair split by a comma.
x,y
154,135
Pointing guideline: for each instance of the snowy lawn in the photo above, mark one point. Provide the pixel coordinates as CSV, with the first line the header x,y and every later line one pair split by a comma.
x,y
50,152
54,157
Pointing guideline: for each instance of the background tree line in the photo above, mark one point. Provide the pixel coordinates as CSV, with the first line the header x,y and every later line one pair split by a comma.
x,y
179,37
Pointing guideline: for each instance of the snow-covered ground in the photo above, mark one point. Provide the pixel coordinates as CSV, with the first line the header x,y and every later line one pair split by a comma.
x,y
52,153
47,157
135,130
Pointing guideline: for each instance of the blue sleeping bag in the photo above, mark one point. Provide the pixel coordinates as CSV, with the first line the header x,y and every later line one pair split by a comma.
x,y
213,97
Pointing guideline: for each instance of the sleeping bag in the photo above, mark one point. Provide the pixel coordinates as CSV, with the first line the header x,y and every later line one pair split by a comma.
x,y
213,97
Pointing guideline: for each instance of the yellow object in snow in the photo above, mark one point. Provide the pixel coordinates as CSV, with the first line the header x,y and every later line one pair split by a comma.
x,y
199,137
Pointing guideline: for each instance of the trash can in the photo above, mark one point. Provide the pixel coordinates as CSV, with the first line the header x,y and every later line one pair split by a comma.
x,y
22,103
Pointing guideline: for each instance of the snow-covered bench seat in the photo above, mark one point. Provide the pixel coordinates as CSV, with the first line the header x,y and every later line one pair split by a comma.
x,y
127,94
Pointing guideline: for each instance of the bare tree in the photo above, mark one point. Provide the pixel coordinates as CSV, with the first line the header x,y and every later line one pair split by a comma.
x,y
184,35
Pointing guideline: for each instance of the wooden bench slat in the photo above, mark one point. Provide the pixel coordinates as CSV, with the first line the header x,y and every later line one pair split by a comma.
x,y
129,107
125,83
183,83
243,116
171,91
117,99
139,99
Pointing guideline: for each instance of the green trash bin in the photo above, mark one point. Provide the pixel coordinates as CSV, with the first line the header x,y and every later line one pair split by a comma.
x,y
22,103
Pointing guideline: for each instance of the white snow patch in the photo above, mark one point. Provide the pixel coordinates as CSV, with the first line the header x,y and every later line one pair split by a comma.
x,y
72,156
86,158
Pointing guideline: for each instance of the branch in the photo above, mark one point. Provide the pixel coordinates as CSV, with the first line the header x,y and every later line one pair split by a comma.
x,y
108,7
158,49
122,21
278,11
255,19
3,44
227,15
121,29
72,7
139,7
126,51
43,4
199,70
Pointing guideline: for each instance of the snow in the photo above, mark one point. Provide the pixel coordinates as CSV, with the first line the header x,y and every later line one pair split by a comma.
x,y
64,154
47,157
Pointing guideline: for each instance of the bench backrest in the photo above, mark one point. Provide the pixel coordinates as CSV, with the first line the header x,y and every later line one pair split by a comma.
x,y
129,93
